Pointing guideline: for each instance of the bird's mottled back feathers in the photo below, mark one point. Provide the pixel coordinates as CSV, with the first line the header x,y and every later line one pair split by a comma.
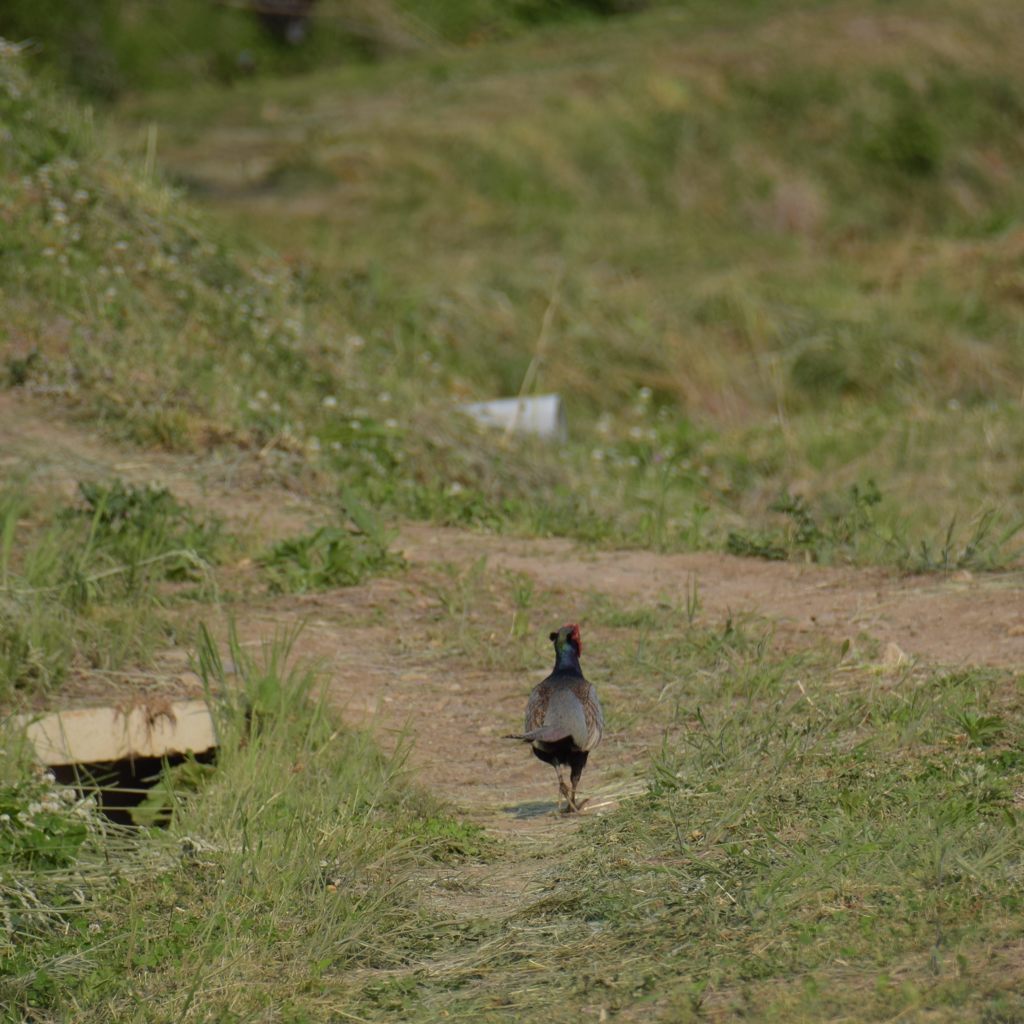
x,y
567,702
537,706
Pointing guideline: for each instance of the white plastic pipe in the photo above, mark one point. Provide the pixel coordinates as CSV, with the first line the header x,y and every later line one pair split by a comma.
x,y
543,415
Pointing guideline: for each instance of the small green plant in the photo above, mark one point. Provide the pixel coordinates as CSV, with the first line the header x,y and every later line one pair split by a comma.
x,y
331,556
836,526
522,596
173,784
754,545
447,838
981,730
145,526
692,598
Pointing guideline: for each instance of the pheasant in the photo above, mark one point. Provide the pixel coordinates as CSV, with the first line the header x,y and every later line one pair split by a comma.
x,y
564,721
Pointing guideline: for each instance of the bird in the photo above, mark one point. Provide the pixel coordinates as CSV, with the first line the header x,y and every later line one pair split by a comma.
x,y
564,721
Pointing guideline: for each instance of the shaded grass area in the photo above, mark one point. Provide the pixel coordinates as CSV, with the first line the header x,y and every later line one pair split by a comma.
x,y
114,47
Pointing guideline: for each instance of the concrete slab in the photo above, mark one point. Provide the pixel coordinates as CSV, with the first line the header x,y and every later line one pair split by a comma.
x,y
149,729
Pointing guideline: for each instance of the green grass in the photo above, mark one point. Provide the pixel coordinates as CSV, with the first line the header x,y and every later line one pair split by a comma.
x,y
92,584
814,834
756,280
767,252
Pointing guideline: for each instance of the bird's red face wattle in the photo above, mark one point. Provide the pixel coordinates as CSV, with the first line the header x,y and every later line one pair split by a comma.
x,y
574,638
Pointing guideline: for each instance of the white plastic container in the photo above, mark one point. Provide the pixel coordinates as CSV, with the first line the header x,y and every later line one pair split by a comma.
x,y
542,415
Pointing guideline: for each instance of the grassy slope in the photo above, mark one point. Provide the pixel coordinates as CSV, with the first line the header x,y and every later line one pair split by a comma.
x,y
757,276
797,225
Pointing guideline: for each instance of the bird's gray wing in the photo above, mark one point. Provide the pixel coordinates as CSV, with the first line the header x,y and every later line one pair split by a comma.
x,y
565,712
594,717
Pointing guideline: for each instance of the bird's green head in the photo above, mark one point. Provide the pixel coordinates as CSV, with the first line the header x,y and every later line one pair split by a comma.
x,y
565,637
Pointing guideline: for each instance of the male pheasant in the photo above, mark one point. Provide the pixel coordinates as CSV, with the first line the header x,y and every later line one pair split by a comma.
x,y
564,721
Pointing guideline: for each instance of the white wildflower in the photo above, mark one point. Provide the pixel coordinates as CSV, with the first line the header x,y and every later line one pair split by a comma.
x,y
329,402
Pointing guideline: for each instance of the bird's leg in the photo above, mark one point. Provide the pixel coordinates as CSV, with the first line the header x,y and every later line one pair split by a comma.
x,y
563,789
574,804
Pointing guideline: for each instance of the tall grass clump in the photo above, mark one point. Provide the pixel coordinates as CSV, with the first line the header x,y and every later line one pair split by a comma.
x,y
283,873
